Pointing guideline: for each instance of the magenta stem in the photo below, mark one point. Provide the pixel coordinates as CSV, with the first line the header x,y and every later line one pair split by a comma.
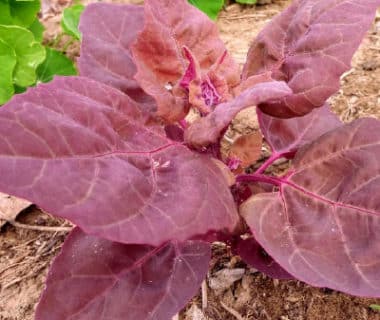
x,y
268,162
274,156
257,177
183,123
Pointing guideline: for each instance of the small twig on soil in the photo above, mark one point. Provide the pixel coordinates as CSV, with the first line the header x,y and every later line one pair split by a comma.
x,y
29,275
236,314
52,251
228,139
347,73
310,304
204,295
39,228
45,250
26,243
13,265
247,16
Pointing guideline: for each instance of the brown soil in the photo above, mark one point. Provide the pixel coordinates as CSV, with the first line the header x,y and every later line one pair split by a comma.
x,y
234,290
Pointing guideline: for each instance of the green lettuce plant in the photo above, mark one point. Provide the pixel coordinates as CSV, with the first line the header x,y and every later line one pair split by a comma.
x,y
24,60
70,20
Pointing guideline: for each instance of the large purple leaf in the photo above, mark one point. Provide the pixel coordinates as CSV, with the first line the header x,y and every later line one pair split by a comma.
x,y
178,42
288,135
323,225
253,254
108,30
93,278
309,46
207,130
85,151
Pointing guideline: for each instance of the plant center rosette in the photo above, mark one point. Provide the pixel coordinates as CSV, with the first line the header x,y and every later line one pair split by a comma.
x,y
145,197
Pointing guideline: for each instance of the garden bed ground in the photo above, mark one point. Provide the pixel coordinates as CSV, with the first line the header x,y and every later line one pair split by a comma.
x,y
234,291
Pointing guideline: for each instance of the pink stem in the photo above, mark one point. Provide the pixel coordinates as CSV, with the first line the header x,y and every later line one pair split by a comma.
x,y
281,181
183,123
256,177
268,162
274,156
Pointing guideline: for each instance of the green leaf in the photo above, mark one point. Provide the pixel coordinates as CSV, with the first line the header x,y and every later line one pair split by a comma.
x,y
375,307
247,1
209,7
37,29
7,65
24,12
29,53
70,20
21,13
19,89
5,13
55,63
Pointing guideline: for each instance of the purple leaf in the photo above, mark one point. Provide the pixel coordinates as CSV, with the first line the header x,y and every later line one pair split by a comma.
x,y
174,132
207,130
108,30
93,278
86,152
309,45
177,52
253,254
288,135
323,225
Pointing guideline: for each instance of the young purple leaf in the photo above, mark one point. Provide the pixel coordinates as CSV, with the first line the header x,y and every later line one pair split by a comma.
x,y
322,226
86,152
288,135
108,30
253,254
207,130
310,45
93,278
179,45
174,132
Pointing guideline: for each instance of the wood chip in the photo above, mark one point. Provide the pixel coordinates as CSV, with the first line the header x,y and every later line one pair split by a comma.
x,y
194,313
225,278
10,207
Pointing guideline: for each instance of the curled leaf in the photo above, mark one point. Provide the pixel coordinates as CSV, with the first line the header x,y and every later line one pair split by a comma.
x,y
179,55
207,130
